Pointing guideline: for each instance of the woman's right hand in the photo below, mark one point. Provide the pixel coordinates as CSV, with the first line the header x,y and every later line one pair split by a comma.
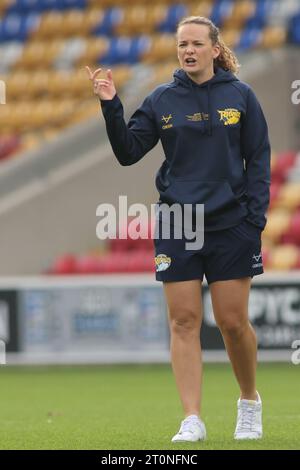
x,y
103,88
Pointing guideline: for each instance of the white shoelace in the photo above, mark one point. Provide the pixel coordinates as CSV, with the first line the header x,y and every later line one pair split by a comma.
x,y
246,418
186,424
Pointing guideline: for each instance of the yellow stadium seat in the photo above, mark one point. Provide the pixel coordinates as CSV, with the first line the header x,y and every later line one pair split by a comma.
x,y
59,83
124,3
49,133
121,74
277,224
73,23
51,26
79,85
39,54
86,109
17,84
141,19
95,48
80,23
30,141
202,8
6,123
273,36
92,17
26,85
134,18
164,73
62,112
274,157
39,83
104,3
283,257
241,11
155,14
21,115
163,47
288,197
231,37
42,114
4,5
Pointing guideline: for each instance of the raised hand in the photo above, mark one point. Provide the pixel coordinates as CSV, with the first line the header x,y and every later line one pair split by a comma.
x,y
103,88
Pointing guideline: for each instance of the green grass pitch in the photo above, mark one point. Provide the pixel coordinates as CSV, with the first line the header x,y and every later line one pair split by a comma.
x,y
137,407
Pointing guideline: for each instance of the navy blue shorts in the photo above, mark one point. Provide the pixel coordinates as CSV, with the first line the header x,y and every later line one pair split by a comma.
x,y
232,253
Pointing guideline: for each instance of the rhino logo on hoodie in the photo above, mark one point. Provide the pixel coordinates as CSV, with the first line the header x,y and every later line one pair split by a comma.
x,y
230,116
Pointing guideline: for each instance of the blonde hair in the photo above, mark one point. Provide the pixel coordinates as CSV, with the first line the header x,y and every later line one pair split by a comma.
x,y
226,60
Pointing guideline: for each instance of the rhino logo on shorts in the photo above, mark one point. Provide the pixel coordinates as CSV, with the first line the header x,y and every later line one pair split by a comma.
x,y
162,262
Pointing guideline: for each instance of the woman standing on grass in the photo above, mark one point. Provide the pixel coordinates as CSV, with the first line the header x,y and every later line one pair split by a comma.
x,y
217,154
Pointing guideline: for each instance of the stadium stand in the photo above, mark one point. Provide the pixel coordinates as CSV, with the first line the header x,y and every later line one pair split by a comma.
x,y
44,45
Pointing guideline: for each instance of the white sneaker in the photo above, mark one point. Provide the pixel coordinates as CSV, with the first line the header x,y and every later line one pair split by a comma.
x,y
249,419
192,429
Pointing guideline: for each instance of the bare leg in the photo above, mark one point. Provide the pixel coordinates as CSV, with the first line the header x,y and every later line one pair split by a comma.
x,y
185,316
230,304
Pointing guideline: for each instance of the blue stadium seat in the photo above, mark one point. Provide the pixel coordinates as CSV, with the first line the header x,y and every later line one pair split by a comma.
x,y
139,45
111,17
125,50
249,38
74,4
22,6
17,27
29,6
174,15
294,29
45,5
262,12
221,9
118,52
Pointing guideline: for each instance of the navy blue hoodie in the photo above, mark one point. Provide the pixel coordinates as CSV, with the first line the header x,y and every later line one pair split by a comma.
x,y
216,146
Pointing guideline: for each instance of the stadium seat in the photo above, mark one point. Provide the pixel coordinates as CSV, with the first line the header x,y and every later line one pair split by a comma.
x,y
65,264
37,54
282,165
231,37
294,29
9,54
174,14
17,27
241,11
162,73
111,18
292,233
133,21
250,38
273,36
161,48
284,257
277,224
274,192
202,8
289,196
9,145
220,11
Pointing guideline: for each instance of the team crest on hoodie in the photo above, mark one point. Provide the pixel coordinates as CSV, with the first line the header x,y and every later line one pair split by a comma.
x,y
230,116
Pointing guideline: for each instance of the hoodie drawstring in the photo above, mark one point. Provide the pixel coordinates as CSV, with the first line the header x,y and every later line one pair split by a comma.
x,y
207,123
209,110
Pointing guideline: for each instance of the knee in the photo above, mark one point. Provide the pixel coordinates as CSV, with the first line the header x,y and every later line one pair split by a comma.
x,y
233,327
185,322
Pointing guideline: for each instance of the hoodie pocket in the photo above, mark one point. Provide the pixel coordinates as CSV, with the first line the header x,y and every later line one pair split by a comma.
x,y
215,195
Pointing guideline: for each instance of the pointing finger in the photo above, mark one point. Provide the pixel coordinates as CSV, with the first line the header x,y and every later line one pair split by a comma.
x,y
89,72
109,75
94,75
